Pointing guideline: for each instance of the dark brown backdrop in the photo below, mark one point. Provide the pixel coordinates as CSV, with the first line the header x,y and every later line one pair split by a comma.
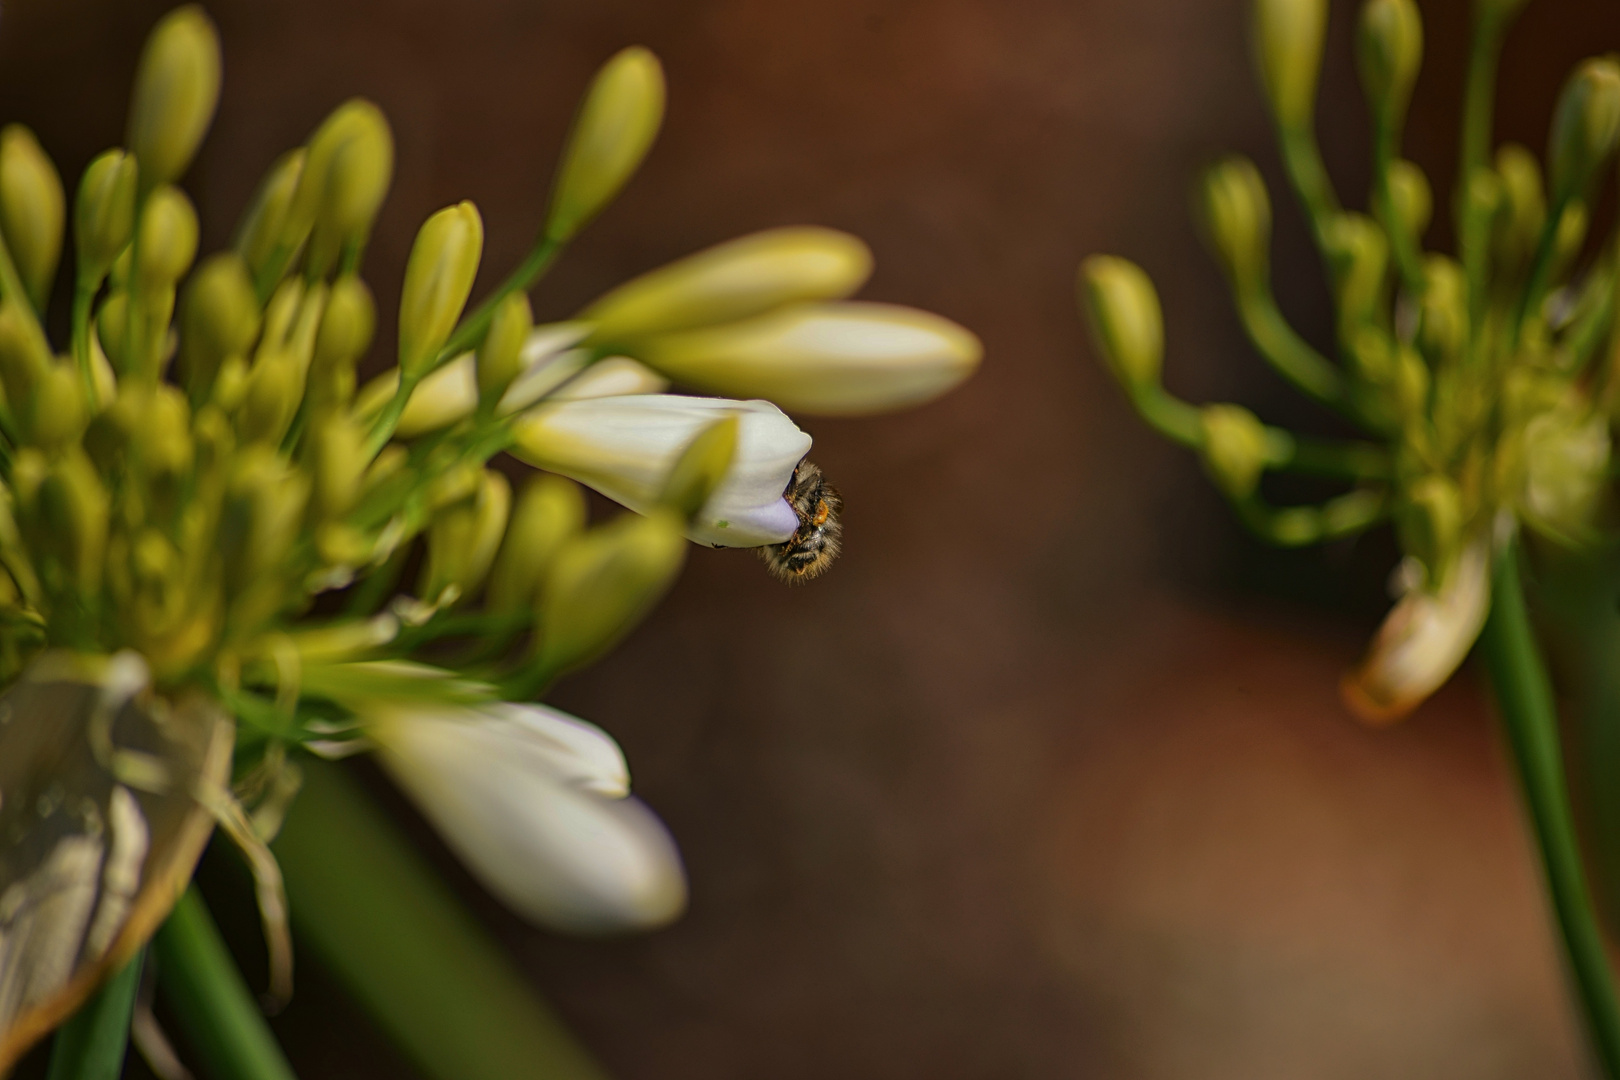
x,y
1068,792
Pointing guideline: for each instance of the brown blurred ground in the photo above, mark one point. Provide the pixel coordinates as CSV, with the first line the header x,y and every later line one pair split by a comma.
x,y
1069,792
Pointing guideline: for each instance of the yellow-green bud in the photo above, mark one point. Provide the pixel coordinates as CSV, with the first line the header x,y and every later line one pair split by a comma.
x,y
462,541
616,125
1122,309
500,357
1431,524
1411,382
602,583
731,281
22,361
1237,217
1389,50
339,465
1288,49
264,504
701,468
1410,192
1444,329
344,180
112,329
1236,448
1360,254
73,509
1524,207
33,210
347,326
104,213
219,317
176,90
550,512
168,237
1566,463
57,415
438,278
1585,127
161,441
275,385
265,222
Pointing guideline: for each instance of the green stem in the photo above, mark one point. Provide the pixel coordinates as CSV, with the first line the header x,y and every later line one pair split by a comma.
x,y
216,1011
1404,246
1479,102
1524,698
91,1044
381,919
1302,159
84,293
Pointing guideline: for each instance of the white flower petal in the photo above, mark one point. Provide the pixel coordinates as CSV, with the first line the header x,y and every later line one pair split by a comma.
x,y
613,376
515,793
624,447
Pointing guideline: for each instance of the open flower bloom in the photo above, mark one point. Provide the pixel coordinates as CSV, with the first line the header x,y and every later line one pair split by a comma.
x,y
836,359
625,447
1422,641
536,803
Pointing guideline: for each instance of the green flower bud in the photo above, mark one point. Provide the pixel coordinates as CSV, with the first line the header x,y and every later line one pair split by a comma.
x,y
1431,524
112,329
701,467
732,281
1360,254
1122,310
500,357
265,223
550,512
33,210
339,466
344,179
22,360
1414,200
615,127
1389,50
275,385
438,278
602,583
462,541
104,213
219,317
1237,218
1411,383
264,504
73,512
57,414
1524,209
176,90
1443,332
1236,448
347,326
1566,463
168,237
1585,127
160,441
1287,42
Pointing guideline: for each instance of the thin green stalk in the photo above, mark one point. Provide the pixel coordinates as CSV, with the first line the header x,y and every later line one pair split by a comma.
x,y
200,981
381,920
1479,103
1290,355
84,294
1524,699
91,1044
1404,246
1302,159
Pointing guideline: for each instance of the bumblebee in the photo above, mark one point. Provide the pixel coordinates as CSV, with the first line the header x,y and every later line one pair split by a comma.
x,y
815,543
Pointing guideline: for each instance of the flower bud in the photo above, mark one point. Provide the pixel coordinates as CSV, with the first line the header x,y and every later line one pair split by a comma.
x,y
1566,463
550,511
701,468
264,503
73,509
33,210
615,127
338,465
1287,43
57,414
1360,254
345,177
601,584
445,397
22,360
462,541
275,385
168,237
1237,218
160,438
112,329
1410,192
104,213
219,317
176,90
1389,50
438,278
265,223
1585,128
1524,211
735,280
1444,330
1234,448
835,359
500,357
611,376
1122,309
1431,524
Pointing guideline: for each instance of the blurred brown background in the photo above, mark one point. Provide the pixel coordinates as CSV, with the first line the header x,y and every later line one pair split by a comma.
x,y
1068,791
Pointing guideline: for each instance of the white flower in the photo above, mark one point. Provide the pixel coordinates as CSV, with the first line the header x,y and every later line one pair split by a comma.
x,y
536,803
1422,641
624,447
839,359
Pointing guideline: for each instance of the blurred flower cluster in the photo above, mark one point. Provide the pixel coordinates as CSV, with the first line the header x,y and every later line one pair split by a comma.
x,y
201,488
1487,382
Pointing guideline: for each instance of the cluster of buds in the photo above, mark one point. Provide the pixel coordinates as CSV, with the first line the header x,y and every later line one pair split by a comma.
x,y
202,486
1487,383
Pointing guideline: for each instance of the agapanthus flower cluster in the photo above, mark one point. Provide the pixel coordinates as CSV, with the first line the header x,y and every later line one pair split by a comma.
x,y
1486,382
210,530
